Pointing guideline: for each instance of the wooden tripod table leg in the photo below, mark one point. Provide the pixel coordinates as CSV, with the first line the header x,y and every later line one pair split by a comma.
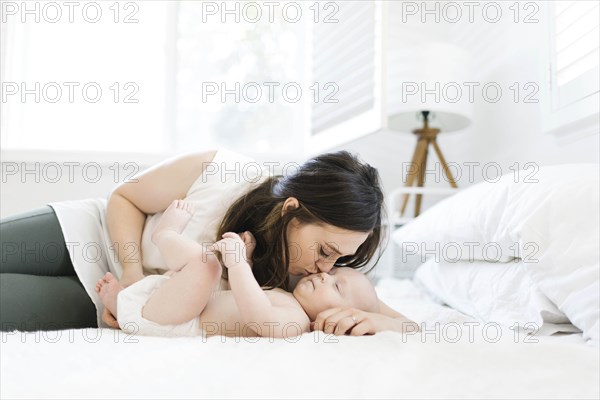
x,y
444,165
414,173
421,180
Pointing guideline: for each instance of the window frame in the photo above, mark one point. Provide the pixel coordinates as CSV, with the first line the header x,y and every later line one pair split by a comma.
x,y
574,114
363,124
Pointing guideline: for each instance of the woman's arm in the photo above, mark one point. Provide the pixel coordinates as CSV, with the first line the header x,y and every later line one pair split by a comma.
x,y
148,193
336,321
125,223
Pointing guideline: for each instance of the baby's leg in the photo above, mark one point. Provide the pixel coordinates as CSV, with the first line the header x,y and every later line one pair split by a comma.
x,y
186,293
175,248
108,289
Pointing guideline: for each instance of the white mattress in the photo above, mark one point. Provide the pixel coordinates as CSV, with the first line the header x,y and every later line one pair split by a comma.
x,y
102,363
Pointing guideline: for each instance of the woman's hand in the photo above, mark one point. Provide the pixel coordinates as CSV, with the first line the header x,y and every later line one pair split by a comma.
x,y
128,278
354,322
110,319
235,250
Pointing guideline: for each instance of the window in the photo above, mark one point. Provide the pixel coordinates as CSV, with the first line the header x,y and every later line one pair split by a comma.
x,y
95,83
574,66
239,83
172,76
346,64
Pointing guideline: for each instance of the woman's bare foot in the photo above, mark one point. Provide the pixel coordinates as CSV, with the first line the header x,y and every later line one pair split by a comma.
x,y
108,288
174,219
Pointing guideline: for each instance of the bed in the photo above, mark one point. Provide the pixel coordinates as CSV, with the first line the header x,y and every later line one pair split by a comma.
x,y
105,363
467,347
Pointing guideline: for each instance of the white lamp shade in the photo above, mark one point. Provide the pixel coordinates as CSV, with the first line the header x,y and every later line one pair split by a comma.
x,y
429,77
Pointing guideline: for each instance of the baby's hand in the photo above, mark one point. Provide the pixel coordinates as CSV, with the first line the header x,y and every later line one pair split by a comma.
x,y
232,248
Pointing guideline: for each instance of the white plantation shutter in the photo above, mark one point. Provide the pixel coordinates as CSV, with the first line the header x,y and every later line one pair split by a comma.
x,y
575,42
346,65
571,97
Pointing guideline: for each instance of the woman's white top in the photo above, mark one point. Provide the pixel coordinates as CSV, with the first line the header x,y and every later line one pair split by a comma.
x,y
83,222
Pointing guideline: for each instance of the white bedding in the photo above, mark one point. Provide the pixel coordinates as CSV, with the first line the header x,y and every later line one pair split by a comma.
x,y
547,221
498,292
102,363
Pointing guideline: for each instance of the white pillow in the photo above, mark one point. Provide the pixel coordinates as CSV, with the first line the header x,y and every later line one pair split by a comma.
x,y
552,224
463,226
491,292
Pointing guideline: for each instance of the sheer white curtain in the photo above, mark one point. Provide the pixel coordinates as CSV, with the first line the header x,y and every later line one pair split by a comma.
x,y
236,79
83,81
144,85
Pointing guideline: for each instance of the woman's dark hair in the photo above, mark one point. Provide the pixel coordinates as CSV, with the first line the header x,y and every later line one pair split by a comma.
x,y
332,188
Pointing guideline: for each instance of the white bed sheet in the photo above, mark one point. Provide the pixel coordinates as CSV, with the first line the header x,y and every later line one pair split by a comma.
x,y
417,303
103,363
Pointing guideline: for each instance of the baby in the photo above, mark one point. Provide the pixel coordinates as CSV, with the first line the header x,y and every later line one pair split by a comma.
x,y
244,311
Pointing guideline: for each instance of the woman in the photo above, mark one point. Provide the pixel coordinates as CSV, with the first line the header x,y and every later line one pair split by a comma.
x,y
327,213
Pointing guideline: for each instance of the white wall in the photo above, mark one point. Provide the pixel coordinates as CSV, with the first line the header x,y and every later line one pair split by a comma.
x,y
32,179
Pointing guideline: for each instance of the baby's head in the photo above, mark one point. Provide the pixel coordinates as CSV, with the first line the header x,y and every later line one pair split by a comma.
x,y
342,287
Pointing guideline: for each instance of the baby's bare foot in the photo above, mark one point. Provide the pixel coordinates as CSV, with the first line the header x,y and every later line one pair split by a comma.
x,y
108,288
174,219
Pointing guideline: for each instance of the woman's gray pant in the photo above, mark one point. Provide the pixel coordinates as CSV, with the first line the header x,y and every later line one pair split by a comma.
x,y
39,289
